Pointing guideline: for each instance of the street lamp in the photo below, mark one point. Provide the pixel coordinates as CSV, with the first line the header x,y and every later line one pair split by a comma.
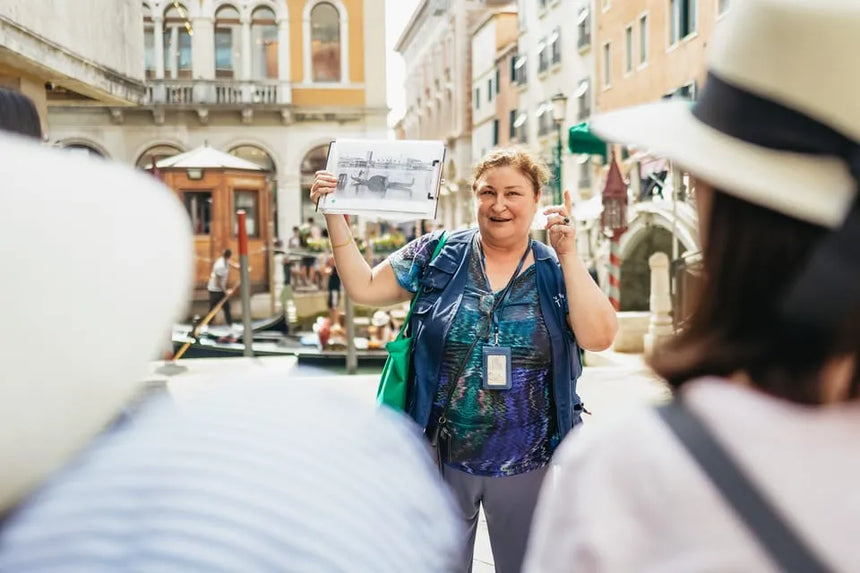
x,y
559,108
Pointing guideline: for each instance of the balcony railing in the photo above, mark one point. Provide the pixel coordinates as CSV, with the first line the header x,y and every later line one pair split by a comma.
x,y
218,92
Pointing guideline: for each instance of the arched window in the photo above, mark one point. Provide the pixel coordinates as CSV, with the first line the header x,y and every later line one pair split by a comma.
x,y
177,42
156,153
228,36
325,43
83,149
148,43
264,44
256,155
312,162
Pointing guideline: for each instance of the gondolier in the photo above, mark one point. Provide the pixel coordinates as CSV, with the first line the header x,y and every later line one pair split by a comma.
x,y
217,286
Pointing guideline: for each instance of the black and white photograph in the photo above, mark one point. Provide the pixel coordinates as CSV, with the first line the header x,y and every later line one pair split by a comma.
x,y
386,179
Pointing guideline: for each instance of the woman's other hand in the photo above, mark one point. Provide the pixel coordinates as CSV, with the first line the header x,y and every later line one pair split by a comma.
x,y
324,183
560,228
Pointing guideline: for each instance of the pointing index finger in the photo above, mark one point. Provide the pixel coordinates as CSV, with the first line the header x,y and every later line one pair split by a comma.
x,y
567,206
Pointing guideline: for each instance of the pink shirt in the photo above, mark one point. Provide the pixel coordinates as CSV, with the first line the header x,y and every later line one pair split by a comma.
x,y
628,497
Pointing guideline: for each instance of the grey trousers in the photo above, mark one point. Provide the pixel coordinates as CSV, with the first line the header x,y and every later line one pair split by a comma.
x,y
509,503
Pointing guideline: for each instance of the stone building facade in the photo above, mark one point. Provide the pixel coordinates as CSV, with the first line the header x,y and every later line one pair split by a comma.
x,y
72,52
436,47
272,81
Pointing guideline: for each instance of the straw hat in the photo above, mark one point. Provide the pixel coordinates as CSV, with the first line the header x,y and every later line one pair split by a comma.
x,y
99,266
778,125
779,118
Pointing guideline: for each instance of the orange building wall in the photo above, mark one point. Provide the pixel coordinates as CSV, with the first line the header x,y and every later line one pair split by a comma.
x,y
328,97
355,17
667,69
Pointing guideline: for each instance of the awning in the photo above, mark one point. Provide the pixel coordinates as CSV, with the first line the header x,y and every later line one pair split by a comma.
x,y
580,139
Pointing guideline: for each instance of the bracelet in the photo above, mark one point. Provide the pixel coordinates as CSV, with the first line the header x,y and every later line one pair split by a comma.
x,y
342,244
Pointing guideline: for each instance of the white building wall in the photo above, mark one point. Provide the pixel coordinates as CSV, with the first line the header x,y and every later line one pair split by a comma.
x,y
483,88
482,139
537,24
107,33
484,71
436,49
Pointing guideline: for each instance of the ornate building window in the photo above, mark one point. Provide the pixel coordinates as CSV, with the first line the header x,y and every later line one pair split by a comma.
x,y
325,43
264,44
228,34
177,41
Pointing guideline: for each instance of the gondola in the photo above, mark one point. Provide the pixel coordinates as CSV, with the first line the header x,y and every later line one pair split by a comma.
x,y
210,346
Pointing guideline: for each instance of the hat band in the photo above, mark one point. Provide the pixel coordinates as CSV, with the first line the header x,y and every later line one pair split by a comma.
x,y
827,290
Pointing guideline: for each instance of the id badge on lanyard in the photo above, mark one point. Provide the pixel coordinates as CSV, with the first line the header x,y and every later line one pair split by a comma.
x,y
497,368
497,359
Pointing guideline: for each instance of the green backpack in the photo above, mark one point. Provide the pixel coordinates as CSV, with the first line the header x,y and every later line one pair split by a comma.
x,y
395,374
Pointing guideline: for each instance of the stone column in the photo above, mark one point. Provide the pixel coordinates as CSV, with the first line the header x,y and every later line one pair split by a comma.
x,y
203,48
246,49
284,90
660,325
174,52
158,38
344,48
203,59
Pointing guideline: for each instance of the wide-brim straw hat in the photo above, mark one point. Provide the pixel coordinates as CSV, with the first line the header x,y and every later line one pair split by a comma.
x,y
778,125
780,71
98,264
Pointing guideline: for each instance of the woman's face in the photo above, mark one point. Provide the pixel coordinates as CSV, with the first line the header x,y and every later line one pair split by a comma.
x,y
506,203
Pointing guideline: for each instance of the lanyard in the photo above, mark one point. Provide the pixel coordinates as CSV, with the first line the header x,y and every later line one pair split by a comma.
x,y
498,305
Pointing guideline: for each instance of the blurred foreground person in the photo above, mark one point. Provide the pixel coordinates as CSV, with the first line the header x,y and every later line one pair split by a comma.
x,y
18,114
245,475
766,374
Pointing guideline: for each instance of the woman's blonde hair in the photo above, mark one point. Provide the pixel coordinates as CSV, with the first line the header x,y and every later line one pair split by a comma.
x,y
533,168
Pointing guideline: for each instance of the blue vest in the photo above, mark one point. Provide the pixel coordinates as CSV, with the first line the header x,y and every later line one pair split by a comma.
x,y
433,314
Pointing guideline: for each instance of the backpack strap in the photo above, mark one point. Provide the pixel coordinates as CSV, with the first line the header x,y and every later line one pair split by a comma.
x,y
786,548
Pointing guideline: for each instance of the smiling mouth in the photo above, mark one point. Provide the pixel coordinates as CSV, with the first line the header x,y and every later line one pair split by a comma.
x,y
499,219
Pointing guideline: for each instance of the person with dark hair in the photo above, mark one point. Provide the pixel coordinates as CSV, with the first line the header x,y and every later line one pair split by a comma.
x,y
217,286
18,114
497,323
753,466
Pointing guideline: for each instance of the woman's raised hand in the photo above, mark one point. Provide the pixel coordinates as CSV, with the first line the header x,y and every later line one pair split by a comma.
x,y
324,183
560,228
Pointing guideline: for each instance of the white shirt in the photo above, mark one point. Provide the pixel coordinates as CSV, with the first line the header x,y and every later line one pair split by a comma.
x,y
630,498
218,277
247,475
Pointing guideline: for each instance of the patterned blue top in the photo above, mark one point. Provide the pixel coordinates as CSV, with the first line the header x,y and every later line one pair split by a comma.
x,y
495,432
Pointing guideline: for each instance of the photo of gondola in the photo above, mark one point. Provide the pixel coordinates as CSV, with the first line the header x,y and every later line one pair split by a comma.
x,y
402,178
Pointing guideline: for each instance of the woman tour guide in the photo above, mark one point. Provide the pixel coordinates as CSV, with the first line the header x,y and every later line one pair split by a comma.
x,y
495,335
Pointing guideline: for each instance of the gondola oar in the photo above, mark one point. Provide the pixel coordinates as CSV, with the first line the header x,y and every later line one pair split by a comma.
x,y
204,322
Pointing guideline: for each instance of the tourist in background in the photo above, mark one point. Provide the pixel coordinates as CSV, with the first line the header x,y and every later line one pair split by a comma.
x,y
217,286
